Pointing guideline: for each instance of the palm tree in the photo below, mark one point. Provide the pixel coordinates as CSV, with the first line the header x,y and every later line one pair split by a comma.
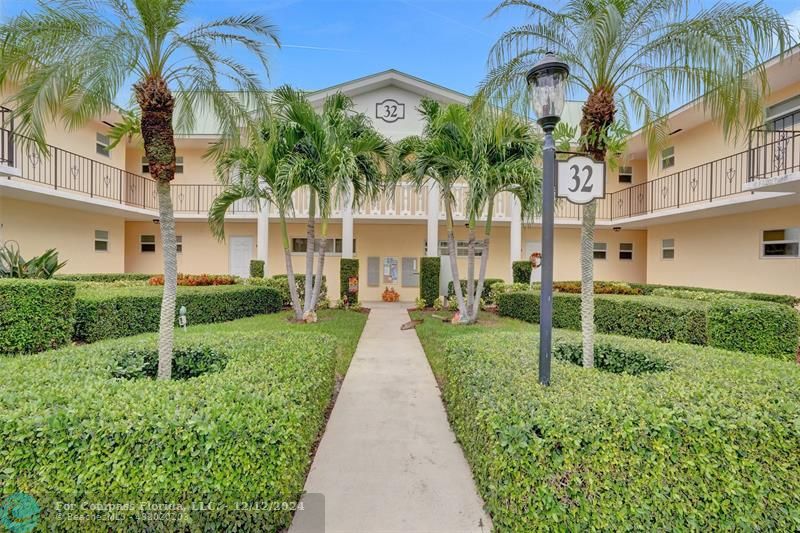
x,y
72,59
255,172
339,156
492,152
634,59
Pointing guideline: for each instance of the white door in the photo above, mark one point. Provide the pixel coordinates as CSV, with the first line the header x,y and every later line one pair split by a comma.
x,y
241,252
530,247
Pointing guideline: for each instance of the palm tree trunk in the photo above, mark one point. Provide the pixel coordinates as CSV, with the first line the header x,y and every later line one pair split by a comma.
x,y
296,307
451,247
470,271
487,232
312,208
587,283
320,266
166,328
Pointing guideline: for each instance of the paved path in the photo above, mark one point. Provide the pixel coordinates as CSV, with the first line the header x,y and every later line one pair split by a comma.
x,y
388,461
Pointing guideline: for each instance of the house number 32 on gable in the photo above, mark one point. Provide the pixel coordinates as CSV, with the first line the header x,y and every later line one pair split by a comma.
x,y
390,110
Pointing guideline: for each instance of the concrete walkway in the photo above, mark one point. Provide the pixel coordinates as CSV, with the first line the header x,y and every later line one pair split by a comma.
x,y
388,461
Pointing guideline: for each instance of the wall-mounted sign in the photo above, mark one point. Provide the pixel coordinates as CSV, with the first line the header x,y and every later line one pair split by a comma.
x,y
390,110
352,284
390,270
580,179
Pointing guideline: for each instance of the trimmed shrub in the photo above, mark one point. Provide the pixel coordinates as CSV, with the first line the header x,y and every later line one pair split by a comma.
x,y
707,444
196,280
122,312
234,439
655,318
35,315
256,268
775,298
281,284
521,271
752,326
187,362
600,287
610,358
104,278
429,271
348,268
486,294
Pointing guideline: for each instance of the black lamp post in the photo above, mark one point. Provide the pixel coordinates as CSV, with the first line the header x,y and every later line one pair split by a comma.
x,y
547,82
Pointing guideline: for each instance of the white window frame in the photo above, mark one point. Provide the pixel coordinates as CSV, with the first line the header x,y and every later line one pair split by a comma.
x,y
179,244
178,165
600,249
665,247
763,243
101,144
625,171
668,157
335,244
462,249
621,251
101,239
143,242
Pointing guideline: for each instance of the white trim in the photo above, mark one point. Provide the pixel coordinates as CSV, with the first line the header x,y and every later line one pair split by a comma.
x,y
620,250
762,242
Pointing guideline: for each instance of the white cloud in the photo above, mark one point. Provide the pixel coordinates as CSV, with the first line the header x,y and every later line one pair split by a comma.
x,y
793,19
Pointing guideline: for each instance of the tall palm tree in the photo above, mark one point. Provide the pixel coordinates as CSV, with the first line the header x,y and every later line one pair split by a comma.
x,y
256,172
339,156
634,59
490,150
72,59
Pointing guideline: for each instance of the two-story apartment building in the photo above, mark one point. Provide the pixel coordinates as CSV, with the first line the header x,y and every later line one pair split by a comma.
x,y
710,212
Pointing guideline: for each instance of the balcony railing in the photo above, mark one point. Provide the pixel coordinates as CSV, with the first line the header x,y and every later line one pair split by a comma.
x,y
774,153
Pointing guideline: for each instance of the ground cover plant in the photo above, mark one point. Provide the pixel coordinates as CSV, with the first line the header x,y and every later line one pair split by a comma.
x,y
656,437
35,315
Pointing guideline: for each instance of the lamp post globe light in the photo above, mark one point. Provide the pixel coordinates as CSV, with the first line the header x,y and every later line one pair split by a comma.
x,y
547,82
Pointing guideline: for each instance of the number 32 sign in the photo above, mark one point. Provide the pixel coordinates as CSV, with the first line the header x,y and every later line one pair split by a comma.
x,y
580,179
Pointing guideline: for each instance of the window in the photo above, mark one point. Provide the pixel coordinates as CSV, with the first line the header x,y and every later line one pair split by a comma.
x,y
101,144
100,240
332,246
462,248
147,243
600,249
781,243
668,249
626,174
626,251
179,243
178,165
668,157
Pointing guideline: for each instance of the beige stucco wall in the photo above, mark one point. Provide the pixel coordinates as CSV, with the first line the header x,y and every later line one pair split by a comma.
x,y
38,227
724,252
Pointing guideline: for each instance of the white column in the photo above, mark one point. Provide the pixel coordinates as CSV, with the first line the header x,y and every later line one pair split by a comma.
x,y
347,227
262,235
515,244
433,220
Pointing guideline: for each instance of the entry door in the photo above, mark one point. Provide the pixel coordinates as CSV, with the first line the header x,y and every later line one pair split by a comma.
x,y
241,252
530,247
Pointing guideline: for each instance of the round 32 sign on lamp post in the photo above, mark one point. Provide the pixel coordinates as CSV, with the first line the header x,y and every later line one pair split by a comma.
x,y
547,82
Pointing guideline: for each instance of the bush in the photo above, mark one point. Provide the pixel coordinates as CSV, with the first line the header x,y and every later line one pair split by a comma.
x,y
775,298
610,358
348,268
281,284
235,439
256,268
655,318
35,315
104,278
521,271
196,280
115,313
187,362
486,294
429,271
752,326
701,446
600,287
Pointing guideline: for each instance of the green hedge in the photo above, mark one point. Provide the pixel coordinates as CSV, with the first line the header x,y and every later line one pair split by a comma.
x,y
521,271
649,317
709,444
348,268
281,284
429,271
35,315
256,268
121,312
487,288
105,278
775,298
243,436
752,326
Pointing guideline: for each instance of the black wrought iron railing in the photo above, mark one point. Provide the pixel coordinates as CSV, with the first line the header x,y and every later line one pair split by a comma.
x,y
197,198
774,153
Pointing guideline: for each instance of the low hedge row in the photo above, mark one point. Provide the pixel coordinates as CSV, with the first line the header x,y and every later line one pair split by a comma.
x,y
111,313
753,326
35,315
486,294
234,440
709,443
774,298
106,278
429,271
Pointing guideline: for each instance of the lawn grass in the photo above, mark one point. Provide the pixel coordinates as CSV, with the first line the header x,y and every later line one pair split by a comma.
x,y
345,326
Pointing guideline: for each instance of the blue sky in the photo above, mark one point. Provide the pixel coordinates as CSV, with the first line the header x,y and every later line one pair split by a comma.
x,y
331,41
